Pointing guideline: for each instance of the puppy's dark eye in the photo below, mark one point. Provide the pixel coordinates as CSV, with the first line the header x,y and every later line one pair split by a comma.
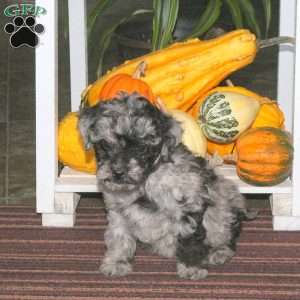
x,y
152,138
105,145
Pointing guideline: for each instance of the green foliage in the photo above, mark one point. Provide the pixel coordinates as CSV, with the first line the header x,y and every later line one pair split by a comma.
x,y
98,10
249,15
207,19
235,11
164,20
268,15
165,16
106,35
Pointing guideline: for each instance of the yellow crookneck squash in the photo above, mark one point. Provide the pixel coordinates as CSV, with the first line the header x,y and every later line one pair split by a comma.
x,y
184,71
71,150
269,115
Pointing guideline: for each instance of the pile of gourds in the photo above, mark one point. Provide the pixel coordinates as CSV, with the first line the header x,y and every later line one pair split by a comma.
x,y
228,120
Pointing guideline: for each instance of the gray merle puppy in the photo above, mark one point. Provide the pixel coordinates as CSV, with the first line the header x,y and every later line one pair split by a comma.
x,y
156,192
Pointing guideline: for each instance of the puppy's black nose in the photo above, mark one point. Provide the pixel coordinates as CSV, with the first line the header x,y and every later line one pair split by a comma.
x,y
118,175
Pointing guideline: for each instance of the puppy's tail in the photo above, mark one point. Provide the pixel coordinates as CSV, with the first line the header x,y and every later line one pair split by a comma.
x,y
238,203
239,207
247,214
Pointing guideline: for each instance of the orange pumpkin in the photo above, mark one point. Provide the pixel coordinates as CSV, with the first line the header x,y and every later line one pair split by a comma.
x,y
269,115
264,156
128,84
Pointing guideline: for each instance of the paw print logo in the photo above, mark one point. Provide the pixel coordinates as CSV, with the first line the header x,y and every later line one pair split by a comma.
x,y
24,32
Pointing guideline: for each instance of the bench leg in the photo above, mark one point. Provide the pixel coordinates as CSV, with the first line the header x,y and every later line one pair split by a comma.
x,y
65,211
283,219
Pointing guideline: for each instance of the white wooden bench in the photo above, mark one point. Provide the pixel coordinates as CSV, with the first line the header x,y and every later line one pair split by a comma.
x,y
58,195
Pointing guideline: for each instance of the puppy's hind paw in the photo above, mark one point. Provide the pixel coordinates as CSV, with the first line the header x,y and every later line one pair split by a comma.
x,y
120,268
193,273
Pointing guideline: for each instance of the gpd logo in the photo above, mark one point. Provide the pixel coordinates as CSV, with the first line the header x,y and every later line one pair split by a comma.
x,y
23,29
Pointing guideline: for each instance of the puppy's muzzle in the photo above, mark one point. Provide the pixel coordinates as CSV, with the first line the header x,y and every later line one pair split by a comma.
x,y
119,176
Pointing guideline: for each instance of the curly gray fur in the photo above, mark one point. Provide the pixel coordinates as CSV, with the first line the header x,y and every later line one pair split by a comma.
x,y
156,192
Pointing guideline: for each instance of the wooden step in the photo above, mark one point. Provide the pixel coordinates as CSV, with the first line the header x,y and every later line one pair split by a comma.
x,y
74,181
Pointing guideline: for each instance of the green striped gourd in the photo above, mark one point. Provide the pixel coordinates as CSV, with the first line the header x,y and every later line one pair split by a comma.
x,y
225,115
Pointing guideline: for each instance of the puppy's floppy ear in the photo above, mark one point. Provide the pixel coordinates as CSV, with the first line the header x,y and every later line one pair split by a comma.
x,y
87,120
174,131
174,134
172,137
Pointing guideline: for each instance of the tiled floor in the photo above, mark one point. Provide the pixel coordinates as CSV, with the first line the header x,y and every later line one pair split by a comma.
x,y
17,105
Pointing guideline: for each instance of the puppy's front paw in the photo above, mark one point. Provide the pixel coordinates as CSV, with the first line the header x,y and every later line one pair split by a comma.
x,y
193,273
119,268
220,256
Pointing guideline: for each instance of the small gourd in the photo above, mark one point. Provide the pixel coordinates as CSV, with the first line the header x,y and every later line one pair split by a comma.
x,y
264,156
125,83
192,137
225,115
269,115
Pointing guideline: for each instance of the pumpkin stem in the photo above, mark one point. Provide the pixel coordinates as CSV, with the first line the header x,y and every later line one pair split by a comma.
x,y
140,70
276,41
230,158
160,104
229,82
266,100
